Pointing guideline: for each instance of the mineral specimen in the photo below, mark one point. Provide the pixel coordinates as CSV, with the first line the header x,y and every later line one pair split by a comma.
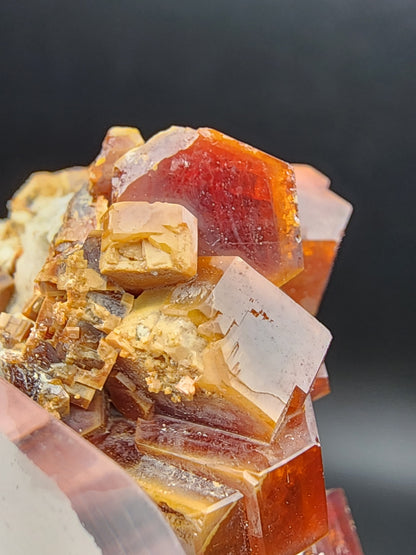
x,y
156,328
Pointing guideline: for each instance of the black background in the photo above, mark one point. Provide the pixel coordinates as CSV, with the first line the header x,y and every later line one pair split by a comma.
x,y
331,83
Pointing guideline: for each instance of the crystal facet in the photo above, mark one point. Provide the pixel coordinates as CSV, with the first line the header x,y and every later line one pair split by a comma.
x,y
341,538
244,199
111,507
203,512
195,348
182,360
323,219
147,245
282,482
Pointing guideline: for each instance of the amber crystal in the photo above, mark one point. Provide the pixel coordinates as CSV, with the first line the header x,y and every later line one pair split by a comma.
x,y
342,538
244,199
155,319
323,219
205,514
282,482
196,348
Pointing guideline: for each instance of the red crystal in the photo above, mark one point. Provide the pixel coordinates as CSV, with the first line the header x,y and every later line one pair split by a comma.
x,y
244,199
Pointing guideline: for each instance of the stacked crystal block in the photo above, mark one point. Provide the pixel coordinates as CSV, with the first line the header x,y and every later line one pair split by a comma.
x,y
172,325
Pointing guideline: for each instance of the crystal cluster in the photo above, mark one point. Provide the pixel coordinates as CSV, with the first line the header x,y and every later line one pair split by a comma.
x,y
172,324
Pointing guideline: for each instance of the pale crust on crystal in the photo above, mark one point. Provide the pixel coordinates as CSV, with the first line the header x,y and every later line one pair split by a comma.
x,y
210,334
35,215
148,245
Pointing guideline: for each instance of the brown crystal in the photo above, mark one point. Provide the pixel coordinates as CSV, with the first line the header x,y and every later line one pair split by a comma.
x,y
282,482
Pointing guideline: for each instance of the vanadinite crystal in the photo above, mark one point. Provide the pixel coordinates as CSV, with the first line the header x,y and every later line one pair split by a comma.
x,y
323,218
282,482
244,199
342,538
156,328
199,347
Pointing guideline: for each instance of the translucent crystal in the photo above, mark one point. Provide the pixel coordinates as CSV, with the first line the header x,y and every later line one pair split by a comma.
x,y
228,349
342,538
112,508
282,482
244,199
208,516
323,219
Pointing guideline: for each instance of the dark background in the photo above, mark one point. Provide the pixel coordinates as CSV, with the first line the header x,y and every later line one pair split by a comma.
x,y
329,82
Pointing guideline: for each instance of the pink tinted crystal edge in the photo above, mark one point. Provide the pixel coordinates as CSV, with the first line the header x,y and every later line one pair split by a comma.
x,y
119,515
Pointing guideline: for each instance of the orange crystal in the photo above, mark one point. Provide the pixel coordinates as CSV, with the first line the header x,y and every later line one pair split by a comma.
x,y
282,482
244,199
323,219
207,516
148,244
342,538
228,348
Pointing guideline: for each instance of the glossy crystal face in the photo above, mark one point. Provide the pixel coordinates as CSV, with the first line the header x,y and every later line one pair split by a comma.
x,y
282,482
195,348
244,199
158,324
